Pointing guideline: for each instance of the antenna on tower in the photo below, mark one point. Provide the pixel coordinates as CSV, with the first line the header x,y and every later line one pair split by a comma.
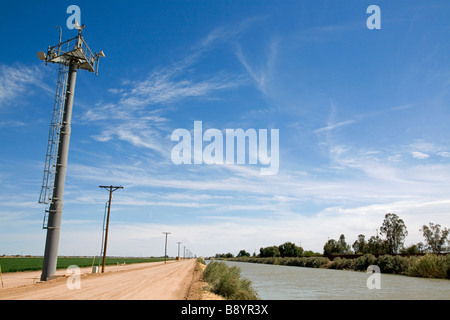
x,y
71,55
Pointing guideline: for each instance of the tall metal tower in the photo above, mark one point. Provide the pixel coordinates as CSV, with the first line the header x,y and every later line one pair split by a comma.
x,y
71,55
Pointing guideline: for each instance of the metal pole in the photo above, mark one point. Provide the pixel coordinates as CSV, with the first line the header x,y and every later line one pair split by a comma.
x,y
56,207
165,250
179,258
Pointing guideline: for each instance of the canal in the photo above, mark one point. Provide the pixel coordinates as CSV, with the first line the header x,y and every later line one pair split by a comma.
x,y
274,282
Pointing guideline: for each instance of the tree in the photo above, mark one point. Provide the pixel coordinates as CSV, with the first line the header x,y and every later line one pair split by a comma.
x,y
376,245
336,247
330,248
243,253
272,251
412,249
360,245
395,230
224,255
289,249
435,237
343,247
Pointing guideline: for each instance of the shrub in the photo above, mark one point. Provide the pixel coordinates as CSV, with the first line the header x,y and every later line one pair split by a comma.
x,y
320,262
297,262
278,261
342,263
386,263
430,266
348,264
363,262
301,262
316,262
337,263
447,261
392,264
269,260
227,282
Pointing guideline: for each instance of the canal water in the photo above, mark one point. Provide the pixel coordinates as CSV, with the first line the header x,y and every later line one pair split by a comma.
x,y
274,282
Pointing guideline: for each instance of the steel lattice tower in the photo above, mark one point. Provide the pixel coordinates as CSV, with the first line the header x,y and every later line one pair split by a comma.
x,y
71,55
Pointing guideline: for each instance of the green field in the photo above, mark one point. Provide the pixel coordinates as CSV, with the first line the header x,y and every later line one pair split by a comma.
x,y
13,264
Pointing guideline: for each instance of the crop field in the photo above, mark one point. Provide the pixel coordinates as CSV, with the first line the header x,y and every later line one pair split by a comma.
x,y
13,264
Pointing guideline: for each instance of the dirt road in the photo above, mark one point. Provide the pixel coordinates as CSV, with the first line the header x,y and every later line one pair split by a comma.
x,y
149,281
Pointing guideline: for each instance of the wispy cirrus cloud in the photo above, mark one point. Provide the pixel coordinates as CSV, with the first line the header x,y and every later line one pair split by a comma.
x,y
139,106
167,85
261,75
332,126
136,126
139,133
14,80
174,82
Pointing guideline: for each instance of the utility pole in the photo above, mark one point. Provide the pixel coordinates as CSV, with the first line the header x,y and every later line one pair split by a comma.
x,y
184,252
111,190
178,257
72,55
165,250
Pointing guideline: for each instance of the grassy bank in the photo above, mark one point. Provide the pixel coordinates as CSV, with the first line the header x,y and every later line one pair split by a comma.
x,y
13,264
227,282
428,266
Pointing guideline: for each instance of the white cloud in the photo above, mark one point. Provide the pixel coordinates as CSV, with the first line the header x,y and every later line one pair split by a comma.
x,y
419,155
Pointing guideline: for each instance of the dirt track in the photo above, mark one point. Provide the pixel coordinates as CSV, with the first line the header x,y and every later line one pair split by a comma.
x,y
149,281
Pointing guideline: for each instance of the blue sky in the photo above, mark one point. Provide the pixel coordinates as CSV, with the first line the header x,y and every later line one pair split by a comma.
x,y
363,118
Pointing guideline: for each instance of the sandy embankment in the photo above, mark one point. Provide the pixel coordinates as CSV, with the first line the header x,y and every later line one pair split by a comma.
x,y
176,280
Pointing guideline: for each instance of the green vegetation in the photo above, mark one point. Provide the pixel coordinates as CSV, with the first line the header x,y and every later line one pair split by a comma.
x,y
243,253
224,255
427,266
394,231
308,262
227,282
431,266
383,252
13,264
336,247
435,237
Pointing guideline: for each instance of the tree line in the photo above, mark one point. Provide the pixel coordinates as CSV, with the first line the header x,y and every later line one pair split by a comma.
x,y
389,240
